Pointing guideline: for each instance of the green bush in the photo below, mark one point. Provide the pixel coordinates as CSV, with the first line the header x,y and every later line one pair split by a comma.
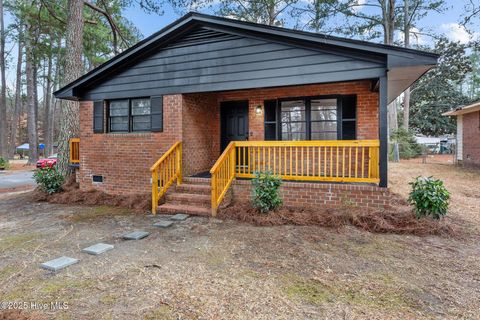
x,y
49,179
3,163
429,197
407,145
265,194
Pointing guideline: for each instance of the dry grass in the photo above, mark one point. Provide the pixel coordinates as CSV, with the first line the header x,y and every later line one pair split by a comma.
x,y
222,269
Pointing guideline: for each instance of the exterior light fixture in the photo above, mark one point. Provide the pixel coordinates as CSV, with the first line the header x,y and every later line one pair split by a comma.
x,y
258,110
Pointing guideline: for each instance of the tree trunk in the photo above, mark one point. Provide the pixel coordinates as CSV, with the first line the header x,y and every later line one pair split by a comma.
x,y
69,122
48,130
18,95
31,112
406,95
3,90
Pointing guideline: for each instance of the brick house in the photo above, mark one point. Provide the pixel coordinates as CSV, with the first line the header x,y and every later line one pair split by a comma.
x,y
468,133
206,102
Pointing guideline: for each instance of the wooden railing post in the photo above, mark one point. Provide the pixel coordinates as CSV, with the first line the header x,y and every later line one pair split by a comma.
x,y
154,191
179,165
214,195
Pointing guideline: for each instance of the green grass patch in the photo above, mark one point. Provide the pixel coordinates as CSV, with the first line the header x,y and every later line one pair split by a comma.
x,y
161,313
19,241
378,292
98,212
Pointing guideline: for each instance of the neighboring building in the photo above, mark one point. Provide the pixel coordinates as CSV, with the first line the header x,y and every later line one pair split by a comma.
x,y
468,133
186,100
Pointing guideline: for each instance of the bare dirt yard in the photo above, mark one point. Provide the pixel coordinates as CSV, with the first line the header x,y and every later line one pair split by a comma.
x,y
222,269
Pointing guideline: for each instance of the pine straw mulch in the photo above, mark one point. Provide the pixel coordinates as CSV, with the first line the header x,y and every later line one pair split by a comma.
x,y
398,219
71,194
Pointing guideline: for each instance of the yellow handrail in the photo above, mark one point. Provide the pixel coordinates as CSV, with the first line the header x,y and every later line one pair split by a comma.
x,y
165,171
223,173
74,150
316,160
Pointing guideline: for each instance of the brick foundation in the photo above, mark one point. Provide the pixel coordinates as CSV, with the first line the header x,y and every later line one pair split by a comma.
x,y
471,139
300,194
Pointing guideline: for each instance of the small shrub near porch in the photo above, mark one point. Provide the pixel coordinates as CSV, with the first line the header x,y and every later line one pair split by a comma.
x,y
265,194
429,197
49,179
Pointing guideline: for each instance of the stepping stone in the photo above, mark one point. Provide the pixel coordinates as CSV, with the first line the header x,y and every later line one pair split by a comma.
x,y
98,248
58,264
136,235
163,224
179,217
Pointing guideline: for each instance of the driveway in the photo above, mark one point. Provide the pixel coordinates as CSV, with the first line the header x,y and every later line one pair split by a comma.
x,y
9,180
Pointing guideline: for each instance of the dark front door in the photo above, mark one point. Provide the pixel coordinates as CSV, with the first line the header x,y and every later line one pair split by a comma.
x,y
234,122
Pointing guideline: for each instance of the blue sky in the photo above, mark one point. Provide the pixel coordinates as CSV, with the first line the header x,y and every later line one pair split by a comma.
x,y
438,23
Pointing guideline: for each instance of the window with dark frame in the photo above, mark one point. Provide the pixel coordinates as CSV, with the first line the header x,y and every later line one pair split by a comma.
x,y
311,118
129,115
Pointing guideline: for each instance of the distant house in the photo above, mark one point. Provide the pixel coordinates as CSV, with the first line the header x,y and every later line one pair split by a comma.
x,y
206,102
468,133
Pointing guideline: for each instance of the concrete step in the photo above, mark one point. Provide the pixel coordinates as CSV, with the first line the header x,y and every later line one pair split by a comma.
x,y
170,208
193,188
194,199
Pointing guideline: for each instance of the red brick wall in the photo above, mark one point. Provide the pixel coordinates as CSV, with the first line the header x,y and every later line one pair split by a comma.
x,y
298,194
201,132
471,139
124,159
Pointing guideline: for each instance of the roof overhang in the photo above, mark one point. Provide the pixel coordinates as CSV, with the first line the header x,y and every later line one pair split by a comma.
x,y
404,66
464,110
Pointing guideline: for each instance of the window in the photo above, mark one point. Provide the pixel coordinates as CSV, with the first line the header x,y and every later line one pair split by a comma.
x,y
129,115
316,118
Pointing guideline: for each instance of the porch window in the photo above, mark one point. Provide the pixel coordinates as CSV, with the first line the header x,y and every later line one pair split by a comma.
x,y
128,115
311,118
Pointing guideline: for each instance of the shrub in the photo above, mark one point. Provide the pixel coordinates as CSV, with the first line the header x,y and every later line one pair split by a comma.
x,y
407,145
49,179
429,197
265,194
3,163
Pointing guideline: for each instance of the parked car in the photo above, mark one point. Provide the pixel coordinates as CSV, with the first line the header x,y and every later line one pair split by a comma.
x,y
47,162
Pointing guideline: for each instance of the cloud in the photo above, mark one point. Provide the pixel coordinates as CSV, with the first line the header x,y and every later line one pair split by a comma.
x,y
359,5
456,32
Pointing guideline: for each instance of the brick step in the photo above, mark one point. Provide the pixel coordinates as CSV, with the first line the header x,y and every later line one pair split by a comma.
x,y
170,208
203,200
193,188
194,180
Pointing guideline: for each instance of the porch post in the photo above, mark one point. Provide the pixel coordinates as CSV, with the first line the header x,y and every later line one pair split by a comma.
x,y
383,131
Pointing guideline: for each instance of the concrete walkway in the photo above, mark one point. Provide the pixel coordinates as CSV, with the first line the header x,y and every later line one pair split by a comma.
x,y
16,179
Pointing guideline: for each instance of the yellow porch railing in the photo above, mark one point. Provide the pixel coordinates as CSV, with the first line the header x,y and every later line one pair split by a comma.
x,y
165,171
223,173
74,150
323,160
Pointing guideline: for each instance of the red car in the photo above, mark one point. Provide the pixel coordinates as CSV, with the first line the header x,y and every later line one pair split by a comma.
x,y
47,162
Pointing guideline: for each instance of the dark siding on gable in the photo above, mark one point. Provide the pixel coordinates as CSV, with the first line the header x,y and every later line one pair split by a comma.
x,y
207,60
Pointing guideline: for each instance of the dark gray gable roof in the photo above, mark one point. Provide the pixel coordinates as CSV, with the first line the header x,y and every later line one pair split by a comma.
x,y
408,64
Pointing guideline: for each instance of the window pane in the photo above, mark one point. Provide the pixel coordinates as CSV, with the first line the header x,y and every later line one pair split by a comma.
x,y
270,131
140,107
294,131
119,124
324,109
270,107
349,130
324,135
324,126
292,111
119,108
349,107
141,123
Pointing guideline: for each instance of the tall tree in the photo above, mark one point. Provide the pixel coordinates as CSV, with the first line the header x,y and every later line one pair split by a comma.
x,y
30,65
70,122
3,89
18,92
438,91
